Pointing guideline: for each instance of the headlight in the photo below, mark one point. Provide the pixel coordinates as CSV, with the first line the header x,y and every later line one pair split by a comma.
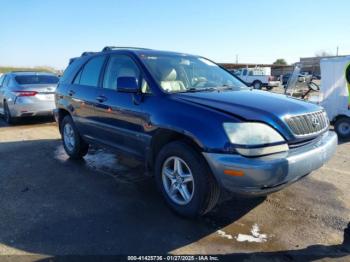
x,y
255,139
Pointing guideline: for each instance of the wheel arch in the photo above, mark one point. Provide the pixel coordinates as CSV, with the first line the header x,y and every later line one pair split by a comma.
x,y
335,119
164,136
62,113
257,81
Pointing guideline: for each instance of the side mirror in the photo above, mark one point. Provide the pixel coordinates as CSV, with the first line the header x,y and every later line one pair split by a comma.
x,y
127,84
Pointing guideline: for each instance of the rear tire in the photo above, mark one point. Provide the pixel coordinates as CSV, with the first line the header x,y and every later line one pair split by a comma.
x,y
7,115
204,192
73,144
342,127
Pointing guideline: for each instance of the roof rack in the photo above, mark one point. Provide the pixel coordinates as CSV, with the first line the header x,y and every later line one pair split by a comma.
x,y
87,53
110,48
72,60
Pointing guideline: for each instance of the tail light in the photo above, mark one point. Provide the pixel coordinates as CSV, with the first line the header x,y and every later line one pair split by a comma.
x,y
25,93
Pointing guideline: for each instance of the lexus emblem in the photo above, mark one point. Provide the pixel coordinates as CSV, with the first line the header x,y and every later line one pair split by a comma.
x,y
315,122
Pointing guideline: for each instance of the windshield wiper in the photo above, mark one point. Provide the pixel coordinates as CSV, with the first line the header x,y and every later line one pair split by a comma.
x,y
206,89
224,87
194,89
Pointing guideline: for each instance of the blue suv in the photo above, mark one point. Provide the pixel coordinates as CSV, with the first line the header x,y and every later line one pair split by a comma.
x,y
197,128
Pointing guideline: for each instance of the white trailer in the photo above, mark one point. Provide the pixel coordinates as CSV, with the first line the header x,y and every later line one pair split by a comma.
x,y
334,92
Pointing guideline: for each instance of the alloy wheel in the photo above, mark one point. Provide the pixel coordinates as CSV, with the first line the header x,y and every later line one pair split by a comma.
x,y
68,136
344,128
256,85
178,180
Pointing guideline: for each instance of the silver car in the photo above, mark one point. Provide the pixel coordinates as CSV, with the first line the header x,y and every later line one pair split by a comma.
x,y
25,94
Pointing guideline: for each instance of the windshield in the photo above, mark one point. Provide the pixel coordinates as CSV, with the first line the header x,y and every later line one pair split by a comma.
x,y
177,73
36,79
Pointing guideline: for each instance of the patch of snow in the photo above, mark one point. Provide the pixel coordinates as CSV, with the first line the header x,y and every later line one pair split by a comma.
x,y
224,235
255,237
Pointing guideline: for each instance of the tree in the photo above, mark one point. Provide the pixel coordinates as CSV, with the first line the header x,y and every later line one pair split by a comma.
x,y
280,61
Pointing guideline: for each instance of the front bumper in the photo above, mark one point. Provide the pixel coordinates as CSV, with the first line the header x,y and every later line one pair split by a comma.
x,y
263,175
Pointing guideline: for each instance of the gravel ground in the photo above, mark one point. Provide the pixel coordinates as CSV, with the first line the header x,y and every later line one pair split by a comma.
x,y
50,205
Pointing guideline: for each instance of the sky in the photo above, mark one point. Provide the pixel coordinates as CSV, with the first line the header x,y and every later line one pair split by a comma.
x,y
48,33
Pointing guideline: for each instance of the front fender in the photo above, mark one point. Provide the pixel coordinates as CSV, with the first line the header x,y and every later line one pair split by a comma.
x,y
202,124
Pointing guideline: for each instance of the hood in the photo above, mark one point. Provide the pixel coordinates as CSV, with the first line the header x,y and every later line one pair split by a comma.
x,y
253,105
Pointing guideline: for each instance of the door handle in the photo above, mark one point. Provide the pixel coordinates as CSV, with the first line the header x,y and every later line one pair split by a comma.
x,y
71,93
101,99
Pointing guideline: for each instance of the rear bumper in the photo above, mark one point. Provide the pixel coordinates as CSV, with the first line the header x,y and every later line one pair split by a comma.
x,y
263,175
273,83
55,114
27,108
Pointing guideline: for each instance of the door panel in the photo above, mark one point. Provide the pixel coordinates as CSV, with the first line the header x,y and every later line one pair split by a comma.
x,y
82,104
83,96
121,122
121,118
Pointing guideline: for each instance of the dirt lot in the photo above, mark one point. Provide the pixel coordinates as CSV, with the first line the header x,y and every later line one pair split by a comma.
x,y
50,205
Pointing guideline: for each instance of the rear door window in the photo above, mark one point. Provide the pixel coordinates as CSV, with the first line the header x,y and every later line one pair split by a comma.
x,y
77,78
90,74
2,79
6,80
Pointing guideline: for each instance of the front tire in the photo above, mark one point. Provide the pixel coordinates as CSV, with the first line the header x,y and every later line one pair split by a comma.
x,y
185,180
342,127
73,144
257,85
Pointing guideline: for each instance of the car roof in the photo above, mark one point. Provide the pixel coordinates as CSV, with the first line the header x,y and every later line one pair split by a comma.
x,y
136,51
151,52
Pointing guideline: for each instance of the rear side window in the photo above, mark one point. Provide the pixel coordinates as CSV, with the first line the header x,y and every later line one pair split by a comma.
x,y
36,79
70,71
2,79
90,74
6,81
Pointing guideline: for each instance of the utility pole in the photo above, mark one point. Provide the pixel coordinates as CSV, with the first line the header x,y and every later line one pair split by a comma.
x,y
337,50
236,59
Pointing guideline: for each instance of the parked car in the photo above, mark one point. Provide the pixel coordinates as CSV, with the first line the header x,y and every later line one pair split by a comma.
x,y
198,129
256,78
301,78
25,94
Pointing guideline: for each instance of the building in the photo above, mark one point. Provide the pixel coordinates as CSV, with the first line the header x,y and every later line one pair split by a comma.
x,y
312,64
308,64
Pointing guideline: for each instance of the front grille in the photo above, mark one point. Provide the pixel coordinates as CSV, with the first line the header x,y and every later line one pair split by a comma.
x,y
308,124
